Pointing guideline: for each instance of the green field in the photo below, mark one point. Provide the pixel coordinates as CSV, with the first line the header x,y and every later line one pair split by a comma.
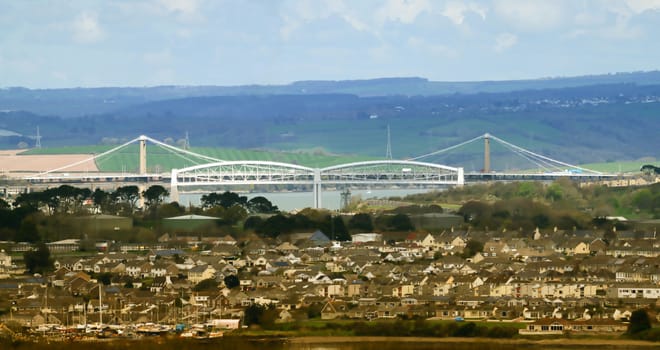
x,y
96,149
162,160
619,167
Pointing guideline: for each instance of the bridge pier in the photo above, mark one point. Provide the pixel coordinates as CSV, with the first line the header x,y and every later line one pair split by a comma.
x,y
317,189
142,187
174,186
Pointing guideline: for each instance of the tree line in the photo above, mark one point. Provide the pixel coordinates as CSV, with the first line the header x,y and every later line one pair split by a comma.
x,y
47,215
334,226
563,203
67,199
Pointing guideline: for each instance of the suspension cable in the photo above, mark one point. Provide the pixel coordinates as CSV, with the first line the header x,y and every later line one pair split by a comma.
x,y
88,159
448,148
540,163
183,150
179,155
542,156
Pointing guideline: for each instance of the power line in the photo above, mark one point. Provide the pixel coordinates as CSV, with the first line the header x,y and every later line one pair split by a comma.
x,y
38,137
539,160
388,151
448,148
115,149
539,156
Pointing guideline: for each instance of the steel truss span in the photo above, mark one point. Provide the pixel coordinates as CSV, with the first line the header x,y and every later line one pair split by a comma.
x,y
210,171
273,173
243,173
391,172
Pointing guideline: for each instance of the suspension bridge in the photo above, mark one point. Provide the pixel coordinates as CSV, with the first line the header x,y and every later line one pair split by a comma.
x,y
204,171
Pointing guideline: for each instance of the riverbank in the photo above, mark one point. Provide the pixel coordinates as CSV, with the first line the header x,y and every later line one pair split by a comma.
x,y
331,343
549,343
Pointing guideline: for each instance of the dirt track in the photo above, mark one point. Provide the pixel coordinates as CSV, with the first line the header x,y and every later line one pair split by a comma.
x,y
13,162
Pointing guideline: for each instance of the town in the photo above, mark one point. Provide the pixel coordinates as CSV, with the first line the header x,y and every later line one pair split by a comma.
x,y
554,280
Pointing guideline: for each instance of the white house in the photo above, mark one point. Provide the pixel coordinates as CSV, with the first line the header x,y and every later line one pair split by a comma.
x,y
5,260
634,291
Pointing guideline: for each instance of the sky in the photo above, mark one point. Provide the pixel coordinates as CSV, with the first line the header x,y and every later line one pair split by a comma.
x,y
93,43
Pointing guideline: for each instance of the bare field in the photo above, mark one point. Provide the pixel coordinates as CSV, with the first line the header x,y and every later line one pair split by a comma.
x,y
12,161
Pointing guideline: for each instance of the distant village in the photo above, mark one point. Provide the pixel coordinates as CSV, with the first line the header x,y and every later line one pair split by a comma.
x,y
555,280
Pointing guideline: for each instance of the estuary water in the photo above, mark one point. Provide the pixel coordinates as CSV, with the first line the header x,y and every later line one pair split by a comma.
x,y
330,199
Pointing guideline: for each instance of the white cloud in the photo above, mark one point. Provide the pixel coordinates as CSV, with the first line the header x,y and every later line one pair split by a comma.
x,y
404,11
355,23
622,29
531,14
290,25
588,18
616,20
86,28
640,6
456,11
625,12
505,41
186,8
183,10
296,14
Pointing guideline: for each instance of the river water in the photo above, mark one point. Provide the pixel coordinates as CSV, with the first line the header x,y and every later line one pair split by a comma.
x,y
330,199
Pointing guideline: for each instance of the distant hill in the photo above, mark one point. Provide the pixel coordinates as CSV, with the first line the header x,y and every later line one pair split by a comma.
x,y
77,102
577,120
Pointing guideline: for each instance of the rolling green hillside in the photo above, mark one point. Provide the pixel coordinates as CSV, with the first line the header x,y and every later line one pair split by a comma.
x,y
79,102
599,119
160,160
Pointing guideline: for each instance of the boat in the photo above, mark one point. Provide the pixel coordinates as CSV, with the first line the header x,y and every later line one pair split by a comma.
x,y
215,334
152,329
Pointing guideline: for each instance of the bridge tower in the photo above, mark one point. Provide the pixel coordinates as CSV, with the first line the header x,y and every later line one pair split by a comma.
x,y
174,186
143,155
142,167
486,153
